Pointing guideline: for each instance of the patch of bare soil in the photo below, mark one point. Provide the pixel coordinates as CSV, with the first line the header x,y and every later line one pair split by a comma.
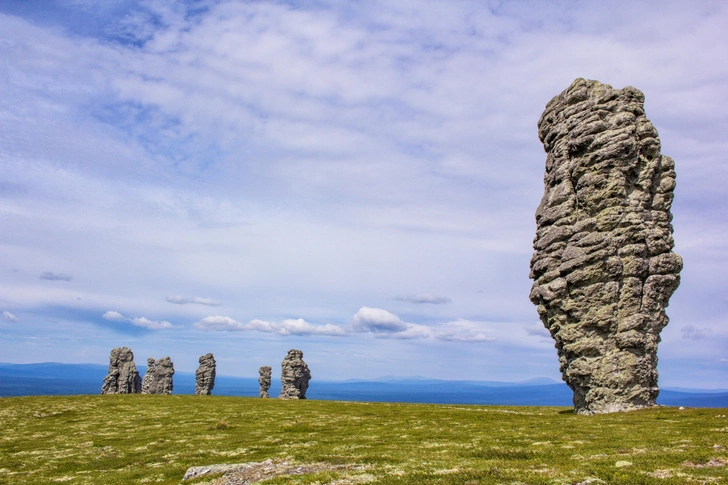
x,y
256,472
712,463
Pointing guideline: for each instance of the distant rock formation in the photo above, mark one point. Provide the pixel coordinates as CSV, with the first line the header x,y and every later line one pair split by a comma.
x,y
264,380
158,379
603,266
148,377
205,375
123,377
294,376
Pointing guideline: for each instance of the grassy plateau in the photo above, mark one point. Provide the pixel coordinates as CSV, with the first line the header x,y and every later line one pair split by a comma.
x,y
126,439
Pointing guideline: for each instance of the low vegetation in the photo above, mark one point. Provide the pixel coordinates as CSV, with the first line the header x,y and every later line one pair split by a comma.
x,y
126,439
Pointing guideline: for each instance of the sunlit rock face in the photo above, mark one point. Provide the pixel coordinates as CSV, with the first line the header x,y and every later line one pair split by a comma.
x,y
123,377
603,266
205,375
264,380
294,376
158,379
149,376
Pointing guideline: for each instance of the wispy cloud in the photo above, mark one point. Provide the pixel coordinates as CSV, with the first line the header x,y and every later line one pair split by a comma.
x,y
538,331
51,276
286,327
137,321
692,332
426,298
9,316
454,336
183,300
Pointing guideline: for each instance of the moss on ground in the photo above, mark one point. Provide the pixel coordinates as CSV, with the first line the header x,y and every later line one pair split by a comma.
x,y
127,439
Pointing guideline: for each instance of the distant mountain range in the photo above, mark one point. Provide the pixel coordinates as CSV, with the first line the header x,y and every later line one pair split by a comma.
x,y
50,378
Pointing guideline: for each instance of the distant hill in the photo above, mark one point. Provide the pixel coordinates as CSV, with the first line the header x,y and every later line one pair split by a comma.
x,y
50,378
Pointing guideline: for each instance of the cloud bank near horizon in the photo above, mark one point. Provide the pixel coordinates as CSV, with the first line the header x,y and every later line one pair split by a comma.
x,y
377,322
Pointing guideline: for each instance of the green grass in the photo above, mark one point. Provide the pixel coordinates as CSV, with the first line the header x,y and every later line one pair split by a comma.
x,y
129,439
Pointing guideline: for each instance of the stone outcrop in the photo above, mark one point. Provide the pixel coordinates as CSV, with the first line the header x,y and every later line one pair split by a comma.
x,y
205,375
158,379
123,377
148,377
294,376
264,380
603,266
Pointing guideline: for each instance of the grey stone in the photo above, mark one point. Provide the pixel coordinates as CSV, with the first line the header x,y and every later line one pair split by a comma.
x,y
158,379
294,376
148,377
264,380
205,375
123,377
603,266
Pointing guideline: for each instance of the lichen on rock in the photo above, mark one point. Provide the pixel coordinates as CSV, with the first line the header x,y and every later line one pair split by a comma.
x,y
603,266
264,380
158,379
205,375
149,376
123,377
295,376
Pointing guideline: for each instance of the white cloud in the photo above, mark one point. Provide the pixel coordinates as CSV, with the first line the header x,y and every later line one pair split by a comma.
x,y
137,321
114,316
384,324
285,327
150,324
9,316
219,323
183,300
376,320
426,298
50,275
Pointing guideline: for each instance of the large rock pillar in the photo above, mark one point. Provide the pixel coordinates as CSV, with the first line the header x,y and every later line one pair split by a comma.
x,y
603,266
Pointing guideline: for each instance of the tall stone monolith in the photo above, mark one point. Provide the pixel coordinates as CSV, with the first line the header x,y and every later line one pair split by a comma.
x,y
148,377
205,375
158,379
294,376
603,266
123,377
264,380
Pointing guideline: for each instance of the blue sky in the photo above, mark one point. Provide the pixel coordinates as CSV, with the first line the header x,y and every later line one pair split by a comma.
x,y
354,179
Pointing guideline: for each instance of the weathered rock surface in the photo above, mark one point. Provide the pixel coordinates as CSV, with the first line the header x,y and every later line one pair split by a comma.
x,y
294,376
149,376
205,375
123,377
264,380
158,379
603,266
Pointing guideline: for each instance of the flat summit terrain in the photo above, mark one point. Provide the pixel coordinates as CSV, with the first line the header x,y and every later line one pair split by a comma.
x,y
124,439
